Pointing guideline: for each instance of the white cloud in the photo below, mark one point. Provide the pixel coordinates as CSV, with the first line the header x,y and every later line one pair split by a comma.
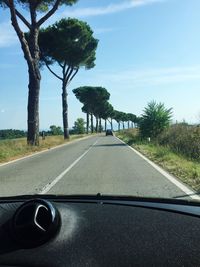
x,y
8,36
6,66
151,76
103,30
109,9
2,110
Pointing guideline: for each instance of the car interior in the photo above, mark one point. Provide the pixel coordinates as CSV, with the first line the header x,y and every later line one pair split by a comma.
x,y
98,231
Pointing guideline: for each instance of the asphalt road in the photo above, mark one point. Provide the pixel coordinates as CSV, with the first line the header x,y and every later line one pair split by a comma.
x,y
98,164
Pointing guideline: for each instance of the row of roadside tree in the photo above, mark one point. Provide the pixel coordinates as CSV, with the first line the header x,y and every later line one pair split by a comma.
x,y
68,44
96,104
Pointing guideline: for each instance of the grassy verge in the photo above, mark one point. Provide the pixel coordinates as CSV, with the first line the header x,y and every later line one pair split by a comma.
x,y
17,148
188,171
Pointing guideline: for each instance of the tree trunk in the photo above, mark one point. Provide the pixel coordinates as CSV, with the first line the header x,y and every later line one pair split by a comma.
x,y
105,125
34,88
92,127
87,123
118,126
128,124
100,127
32,56
65,111
131,124
33,109
123,125
97,124
111,124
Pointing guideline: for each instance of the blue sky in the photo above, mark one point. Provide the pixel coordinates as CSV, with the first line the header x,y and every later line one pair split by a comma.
x,y
148,50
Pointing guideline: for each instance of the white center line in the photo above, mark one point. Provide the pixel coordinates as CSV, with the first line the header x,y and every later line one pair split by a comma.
x,y
47,187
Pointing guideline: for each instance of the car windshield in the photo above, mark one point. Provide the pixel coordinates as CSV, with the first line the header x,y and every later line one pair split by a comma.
x,y
100,97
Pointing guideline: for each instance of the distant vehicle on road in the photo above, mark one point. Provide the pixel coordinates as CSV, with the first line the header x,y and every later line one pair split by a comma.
x,y
109,132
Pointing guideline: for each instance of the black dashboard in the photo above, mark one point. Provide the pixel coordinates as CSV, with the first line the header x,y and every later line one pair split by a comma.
x,y
100,231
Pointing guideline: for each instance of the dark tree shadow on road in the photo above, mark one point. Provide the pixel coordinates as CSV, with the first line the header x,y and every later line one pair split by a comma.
x,y
109,145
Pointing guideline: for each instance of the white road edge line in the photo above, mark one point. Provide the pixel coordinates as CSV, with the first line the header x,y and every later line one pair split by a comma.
x,y
172,179
47,187
45,150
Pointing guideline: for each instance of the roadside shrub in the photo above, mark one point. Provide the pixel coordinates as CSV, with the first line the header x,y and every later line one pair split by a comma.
x,y
182,139
11,134
129,136
155,119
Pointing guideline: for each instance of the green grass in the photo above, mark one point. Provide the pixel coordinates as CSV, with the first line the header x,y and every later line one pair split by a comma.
x,y
128,136
16,148
188,171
